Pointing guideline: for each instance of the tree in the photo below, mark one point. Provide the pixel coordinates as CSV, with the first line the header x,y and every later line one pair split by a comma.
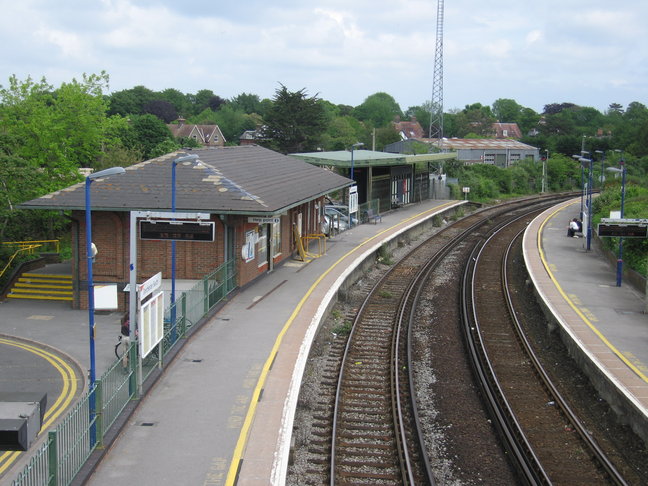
x,y
164,110
47,135
380,109
295,122
55,131
215,102
474,119
130,101
247,103
507,110
148,132
233,122
179,101
201,100
341,133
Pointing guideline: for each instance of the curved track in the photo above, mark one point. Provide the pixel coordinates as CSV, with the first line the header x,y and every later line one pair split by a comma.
x,y
542,433
398,402
376,432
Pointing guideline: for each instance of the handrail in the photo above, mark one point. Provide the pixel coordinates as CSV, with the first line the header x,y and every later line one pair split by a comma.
x,y
28,249
24,244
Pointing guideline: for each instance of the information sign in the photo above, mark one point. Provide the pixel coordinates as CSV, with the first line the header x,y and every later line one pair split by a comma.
x,y
177,230
622,230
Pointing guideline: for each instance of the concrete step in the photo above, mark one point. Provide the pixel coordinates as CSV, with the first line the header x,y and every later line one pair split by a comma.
x,y
42,286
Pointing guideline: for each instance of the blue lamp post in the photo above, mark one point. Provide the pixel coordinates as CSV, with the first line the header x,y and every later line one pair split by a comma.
x,y
179,160
578,157
90,254
353,147
622,170
602,155
589,163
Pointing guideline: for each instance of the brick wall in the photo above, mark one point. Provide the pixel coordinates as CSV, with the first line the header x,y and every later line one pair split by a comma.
x,y
111,234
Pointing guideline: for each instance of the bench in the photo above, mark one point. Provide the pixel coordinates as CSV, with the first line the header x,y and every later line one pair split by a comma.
x,y
371,216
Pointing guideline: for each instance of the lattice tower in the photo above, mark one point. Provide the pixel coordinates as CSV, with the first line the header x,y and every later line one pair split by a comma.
x,y
436,104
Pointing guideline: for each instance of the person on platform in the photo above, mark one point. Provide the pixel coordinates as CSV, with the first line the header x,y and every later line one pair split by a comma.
x,y
573,228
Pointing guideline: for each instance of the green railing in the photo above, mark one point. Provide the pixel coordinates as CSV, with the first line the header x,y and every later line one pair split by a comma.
x,y
66,448
374,205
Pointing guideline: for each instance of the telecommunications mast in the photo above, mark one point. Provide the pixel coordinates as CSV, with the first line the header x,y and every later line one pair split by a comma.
x,y
436,104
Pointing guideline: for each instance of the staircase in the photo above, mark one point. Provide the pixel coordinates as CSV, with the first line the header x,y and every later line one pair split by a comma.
x,y
42,286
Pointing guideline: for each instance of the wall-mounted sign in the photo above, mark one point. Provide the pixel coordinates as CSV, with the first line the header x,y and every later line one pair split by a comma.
x,y
260,220
177,230
151,285
353,199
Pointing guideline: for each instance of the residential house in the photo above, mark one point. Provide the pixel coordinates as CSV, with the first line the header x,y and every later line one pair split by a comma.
x,y
205,135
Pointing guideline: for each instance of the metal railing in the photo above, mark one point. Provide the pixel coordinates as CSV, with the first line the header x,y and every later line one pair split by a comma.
x,y
363,209
66,448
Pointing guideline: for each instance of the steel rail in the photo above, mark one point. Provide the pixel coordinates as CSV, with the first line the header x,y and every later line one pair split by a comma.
x,y
562,403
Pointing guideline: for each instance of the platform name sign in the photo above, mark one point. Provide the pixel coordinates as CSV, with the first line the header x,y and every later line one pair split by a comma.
x,y
623,228
353,199
260,220
177,230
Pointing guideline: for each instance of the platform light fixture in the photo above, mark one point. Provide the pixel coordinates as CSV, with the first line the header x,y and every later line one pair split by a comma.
x,y
91,252
622,170
179,160
353,147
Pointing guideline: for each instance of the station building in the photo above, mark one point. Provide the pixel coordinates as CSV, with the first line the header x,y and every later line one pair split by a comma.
x,y
260,204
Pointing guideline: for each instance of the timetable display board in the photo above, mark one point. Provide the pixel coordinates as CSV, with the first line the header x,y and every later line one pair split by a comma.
x,y
177,230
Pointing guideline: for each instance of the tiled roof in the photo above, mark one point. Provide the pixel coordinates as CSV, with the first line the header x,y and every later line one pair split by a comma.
x,y
237,180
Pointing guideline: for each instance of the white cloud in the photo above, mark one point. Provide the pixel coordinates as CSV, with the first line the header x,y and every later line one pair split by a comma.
x,y
586,52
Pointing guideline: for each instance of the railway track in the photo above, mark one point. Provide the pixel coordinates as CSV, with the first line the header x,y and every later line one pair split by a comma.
x,y
547,439
380,409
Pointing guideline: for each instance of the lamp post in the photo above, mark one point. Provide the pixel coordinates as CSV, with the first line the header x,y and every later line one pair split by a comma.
x,y
179,160
589,163
602,155
353,147
90,254
578,157
544,171
619,275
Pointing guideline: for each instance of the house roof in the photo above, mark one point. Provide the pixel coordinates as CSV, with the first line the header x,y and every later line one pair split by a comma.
x,y
409,129
482,144
205,133
248,180
506,130
367,158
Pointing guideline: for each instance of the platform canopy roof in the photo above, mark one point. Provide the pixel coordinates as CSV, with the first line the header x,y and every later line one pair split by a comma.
x,y
368,158
249,180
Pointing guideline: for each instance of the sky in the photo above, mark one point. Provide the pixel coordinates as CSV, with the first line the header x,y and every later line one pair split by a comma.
x,y
591,53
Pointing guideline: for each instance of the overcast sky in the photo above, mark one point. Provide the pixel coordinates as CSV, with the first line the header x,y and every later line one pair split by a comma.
x,y
591,53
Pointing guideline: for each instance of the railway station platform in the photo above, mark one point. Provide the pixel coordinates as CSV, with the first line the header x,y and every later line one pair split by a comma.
x,y
221,413
605,327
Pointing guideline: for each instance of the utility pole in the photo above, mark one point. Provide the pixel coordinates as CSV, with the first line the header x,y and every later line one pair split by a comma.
x,y
436,104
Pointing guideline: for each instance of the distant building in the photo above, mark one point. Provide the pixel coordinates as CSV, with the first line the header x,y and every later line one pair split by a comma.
x,y
506,130
205,135
499,152
409,129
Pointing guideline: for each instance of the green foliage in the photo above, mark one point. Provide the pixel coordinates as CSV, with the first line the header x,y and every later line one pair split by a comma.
x,y
233,122
295,122
342,132
635,250
148,132
247,103
507,110
379,110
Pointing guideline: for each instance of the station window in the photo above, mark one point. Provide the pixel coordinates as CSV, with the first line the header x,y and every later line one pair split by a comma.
x,y
276,239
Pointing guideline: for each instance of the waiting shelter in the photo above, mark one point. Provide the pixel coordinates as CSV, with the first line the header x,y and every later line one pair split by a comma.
x,y
392,179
